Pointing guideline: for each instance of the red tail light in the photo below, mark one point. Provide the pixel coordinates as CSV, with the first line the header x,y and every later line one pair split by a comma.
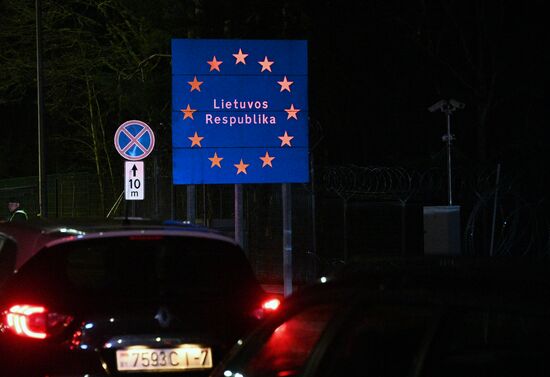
x,y
33,321
267,306
271,305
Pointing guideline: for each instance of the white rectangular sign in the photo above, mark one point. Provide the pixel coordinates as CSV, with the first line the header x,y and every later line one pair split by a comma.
x,y
134,184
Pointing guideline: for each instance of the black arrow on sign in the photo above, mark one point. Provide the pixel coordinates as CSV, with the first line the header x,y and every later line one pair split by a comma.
x,y
134,169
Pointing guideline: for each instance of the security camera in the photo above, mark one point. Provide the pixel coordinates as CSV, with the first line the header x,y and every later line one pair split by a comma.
x,y
457,105
446,106
439,105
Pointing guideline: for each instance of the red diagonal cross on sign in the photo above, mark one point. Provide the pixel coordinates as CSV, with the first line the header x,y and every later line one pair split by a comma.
x,y
134,140
134,148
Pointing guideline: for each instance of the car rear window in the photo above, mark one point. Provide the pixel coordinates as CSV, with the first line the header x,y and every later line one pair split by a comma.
x,y
139,267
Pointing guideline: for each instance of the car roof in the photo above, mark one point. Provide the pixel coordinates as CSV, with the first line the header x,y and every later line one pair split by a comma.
x,y
502,269
31,236
454,280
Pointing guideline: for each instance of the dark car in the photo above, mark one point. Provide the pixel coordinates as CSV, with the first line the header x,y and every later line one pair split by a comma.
x,y
427,317
122,299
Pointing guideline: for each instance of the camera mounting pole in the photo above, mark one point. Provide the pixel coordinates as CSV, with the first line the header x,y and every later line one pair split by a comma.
x,y
448,107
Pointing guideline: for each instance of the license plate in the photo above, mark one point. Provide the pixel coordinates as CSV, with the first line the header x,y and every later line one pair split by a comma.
x,y
164,359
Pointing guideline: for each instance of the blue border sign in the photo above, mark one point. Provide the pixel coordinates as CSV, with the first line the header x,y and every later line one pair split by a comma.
x,y
239,111
134,140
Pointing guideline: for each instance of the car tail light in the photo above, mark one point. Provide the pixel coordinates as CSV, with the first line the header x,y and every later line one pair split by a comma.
x,y
271,305
268,306
34,321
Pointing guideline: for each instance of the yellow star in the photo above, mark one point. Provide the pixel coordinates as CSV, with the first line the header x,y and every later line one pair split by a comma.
x,y
285,139
215,160
292,112
285,84
241,167
188,112
195,84
196,140
266,65
267,160
214,64
240,57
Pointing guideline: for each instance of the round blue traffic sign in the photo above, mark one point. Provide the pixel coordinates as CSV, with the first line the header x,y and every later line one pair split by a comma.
x,y
134,140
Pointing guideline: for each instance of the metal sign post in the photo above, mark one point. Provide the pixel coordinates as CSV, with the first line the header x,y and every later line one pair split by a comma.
x,y
191,204
287,238
42,176
239,228
448,107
